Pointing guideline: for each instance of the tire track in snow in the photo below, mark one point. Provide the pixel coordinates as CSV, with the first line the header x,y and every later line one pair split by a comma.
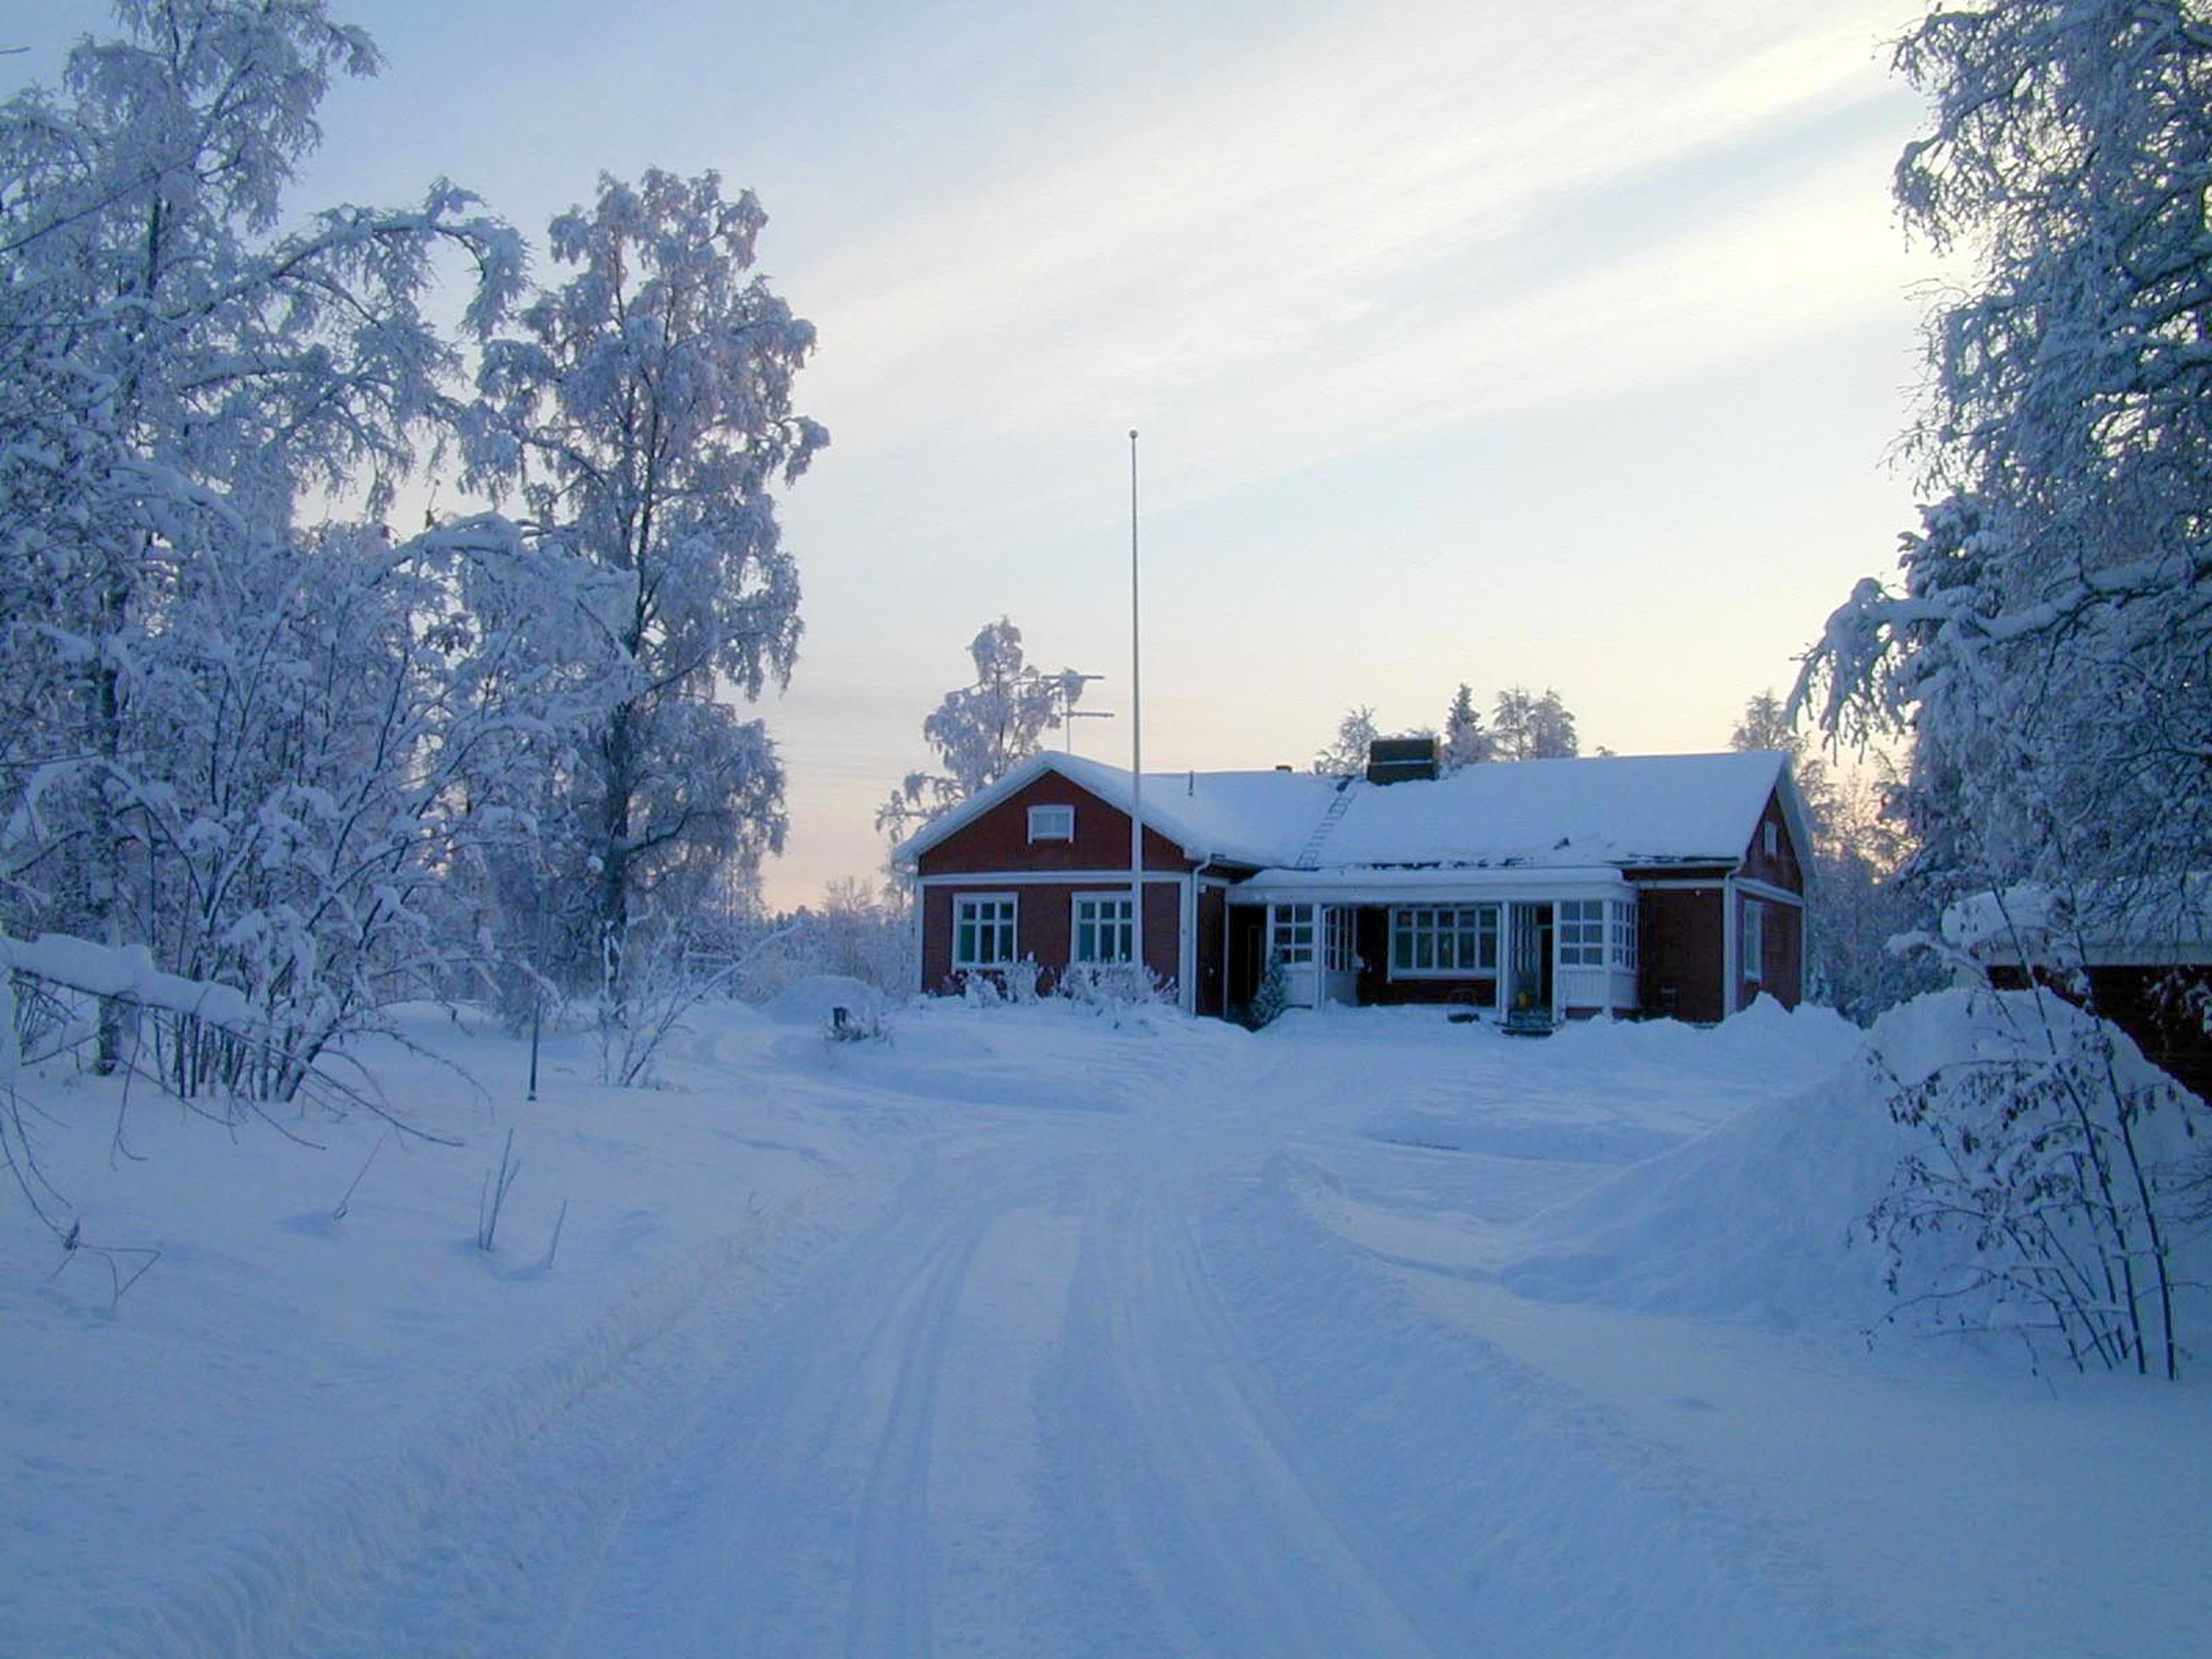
x,y
800,1513
1528,1521
889,1608
1188,1525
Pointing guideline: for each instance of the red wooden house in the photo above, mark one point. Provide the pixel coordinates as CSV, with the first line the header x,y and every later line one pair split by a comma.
x,y
1663,884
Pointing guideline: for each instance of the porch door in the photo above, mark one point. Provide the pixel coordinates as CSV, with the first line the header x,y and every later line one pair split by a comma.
x,y
1292,940
1528,982
1340,945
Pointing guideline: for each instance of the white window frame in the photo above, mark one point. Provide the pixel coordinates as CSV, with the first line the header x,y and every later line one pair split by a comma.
x,y
1622,921
1769,838
1052,822
1579,928
1104,915
1754,940
1413,926
1290,934
1005,929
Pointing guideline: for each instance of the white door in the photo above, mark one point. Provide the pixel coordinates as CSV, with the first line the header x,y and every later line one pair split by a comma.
x,y
1340,954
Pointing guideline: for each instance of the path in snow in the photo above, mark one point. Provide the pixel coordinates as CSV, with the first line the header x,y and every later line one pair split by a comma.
x,y
1090,1379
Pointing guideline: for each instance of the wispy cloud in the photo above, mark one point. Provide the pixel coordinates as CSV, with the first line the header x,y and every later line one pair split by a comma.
x,y
1392,220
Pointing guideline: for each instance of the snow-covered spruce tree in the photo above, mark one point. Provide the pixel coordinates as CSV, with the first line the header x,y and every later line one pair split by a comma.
x,y
982,731
644,414
1465,742
1528,726
2047,646
175,369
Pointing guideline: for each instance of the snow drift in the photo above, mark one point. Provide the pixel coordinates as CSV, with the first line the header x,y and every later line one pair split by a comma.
x,y
1764,1218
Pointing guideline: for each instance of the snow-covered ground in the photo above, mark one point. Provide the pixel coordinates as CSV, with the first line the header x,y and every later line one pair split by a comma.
x,y
1025,1333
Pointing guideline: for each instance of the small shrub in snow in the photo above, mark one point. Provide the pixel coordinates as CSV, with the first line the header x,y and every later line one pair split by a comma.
x,y
856,1024
493,1198
1273,997
2055,1155
980,990
1112,989
988,989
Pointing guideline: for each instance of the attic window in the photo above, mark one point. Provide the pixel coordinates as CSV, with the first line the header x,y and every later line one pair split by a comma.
x,y
1770,834
1051,823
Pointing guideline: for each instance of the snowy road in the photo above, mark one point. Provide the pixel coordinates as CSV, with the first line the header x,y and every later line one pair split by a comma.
x,y
1088,1378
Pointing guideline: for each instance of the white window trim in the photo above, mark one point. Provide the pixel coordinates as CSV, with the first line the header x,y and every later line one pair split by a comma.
x,y
1075,923
1013,928
1769,838
1055,812
1755,941
1496,932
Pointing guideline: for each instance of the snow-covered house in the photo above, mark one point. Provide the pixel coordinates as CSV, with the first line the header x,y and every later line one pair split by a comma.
x,y
1645,885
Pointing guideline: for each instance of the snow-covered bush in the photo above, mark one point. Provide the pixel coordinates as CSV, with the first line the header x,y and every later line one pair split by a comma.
x,y
864,1023
1113,988
2046,1191
1273,997
991,988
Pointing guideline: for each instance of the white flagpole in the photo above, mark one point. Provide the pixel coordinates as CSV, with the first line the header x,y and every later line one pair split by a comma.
x,y
1136,734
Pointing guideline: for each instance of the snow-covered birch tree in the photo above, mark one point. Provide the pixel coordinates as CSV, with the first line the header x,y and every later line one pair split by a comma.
x,y
176,368
643,413
2047,646
1530,727
1346,756
2047,642
983,730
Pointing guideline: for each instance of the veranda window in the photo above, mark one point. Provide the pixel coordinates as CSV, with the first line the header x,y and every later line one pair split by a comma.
x,y
1441,940
1292,939
1105,929
1754,940
1582,933
983,931
1624,935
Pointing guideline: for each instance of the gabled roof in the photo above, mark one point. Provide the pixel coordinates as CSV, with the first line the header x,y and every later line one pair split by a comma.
x,y
1629,811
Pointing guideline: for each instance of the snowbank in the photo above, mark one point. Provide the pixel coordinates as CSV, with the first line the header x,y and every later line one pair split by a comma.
x,y
1600,1092
810,1001
1763,1220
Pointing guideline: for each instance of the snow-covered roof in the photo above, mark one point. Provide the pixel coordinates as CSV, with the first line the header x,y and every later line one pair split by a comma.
x,y
1616,809
2138,922
1620,810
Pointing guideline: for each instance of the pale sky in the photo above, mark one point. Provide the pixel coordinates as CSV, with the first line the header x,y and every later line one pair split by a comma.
x,y
1559,345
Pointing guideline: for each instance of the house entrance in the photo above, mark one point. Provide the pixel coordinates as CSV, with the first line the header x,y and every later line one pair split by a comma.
x,y
1527,984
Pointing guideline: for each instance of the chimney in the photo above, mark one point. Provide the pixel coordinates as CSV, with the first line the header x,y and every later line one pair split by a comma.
x,y
1401,760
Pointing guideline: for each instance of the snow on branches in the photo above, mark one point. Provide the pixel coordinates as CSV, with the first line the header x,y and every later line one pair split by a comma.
x,y
305,762
982,731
